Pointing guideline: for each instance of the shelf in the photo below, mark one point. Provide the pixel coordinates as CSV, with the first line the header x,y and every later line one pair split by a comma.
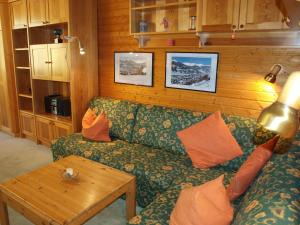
x,y
26,111
23,68
164,5
55,118
21,49
25,95
164,33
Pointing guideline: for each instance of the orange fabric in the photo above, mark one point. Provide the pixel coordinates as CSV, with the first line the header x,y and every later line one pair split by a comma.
x,y
207,204
249,170
210,142
95,127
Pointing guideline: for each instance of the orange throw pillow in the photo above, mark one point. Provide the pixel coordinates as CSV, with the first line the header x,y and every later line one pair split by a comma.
x,y
249,170
95,127
210,142
207,204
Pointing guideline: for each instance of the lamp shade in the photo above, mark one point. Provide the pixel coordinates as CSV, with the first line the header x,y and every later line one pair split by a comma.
x,y
282,117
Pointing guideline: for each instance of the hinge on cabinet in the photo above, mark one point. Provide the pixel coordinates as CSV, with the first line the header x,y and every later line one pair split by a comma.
x,y
142,40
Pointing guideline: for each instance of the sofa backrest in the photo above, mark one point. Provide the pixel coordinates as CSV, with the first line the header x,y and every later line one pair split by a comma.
x,y
156,126
121,114
274,197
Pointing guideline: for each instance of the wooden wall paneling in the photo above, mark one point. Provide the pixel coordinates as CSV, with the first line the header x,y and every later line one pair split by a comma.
x,y
84,70
241,89
11,98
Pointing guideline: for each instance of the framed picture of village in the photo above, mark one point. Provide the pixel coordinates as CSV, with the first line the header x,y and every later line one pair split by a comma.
x,y
192,71
134,68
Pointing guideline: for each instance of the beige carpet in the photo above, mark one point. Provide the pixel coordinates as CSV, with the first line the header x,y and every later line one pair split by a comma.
x,y
18,156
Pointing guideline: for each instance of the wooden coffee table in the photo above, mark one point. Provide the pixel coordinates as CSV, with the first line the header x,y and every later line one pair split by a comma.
x,y
44,197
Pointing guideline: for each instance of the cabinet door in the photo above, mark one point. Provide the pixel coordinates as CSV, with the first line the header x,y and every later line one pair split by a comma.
x,y
58,11
61,129
44,129
37,12
18,14
58,56
219,15
40,62
27,122
261,15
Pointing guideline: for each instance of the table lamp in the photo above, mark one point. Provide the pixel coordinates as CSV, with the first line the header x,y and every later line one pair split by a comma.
x,y
282,117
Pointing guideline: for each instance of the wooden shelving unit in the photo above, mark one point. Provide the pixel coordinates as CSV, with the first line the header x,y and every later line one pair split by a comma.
x,y
43,68
166,5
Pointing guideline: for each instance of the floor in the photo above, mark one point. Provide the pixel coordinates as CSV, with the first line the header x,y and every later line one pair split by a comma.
x,y
18,156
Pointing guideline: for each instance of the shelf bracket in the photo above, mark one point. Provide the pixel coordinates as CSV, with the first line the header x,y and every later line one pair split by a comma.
x,y
142,40
202,38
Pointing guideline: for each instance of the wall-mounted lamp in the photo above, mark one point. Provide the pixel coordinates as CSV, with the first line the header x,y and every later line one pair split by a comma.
x,y
271,77
282,117
74,38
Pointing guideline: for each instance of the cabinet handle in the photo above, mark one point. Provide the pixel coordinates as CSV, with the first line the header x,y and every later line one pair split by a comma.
x,y
44,22
48,62
233,27
25,25
242,26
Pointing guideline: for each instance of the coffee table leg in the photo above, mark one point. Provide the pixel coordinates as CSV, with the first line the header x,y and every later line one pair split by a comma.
x,y
3,213
131,200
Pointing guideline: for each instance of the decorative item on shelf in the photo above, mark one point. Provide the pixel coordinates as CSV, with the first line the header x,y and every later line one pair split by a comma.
x,y
171,42
58,33
74,38
282,117
271,77
143,26
192,71
165,24
192,23
134,68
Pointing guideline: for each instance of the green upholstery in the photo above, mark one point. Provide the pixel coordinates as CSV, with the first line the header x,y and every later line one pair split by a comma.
x,y
120,113
145,144
156,126
159,211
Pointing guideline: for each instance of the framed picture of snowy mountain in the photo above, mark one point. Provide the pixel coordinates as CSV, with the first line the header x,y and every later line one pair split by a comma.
x,y
192,71
134,68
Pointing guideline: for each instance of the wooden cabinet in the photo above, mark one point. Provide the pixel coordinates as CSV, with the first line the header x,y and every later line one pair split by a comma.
x,y
27,122
49,62
41,12
40,62
37,12
48,130
261,15
18,14
58,11
227,15
220,15
59,62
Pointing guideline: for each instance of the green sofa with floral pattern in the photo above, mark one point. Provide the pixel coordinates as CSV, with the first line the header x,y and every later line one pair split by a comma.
x,y
145,144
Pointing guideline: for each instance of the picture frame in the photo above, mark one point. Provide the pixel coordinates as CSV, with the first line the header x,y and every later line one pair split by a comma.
x,y
196,71
134,68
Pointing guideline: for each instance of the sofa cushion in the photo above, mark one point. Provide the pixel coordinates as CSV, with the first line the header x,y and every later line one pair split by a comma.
x,y
274,196
157,126
159,211
76,144
121,114
155,169
209,142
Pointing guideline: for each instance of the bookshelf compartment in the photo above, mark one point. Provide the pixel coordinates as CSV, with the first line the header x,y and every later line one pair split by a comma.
x,y
25,104
21,59
163,16
20,38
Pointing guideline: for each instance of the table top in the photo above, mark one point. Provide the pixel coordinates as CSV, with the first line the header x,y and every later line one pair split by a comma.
x,y
68,201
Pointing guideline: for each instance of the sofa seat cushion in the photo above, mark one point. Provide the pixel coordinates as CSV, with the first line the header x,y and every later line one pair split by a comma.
x,y
154,169
120,113
76,144
159,211
157,126
274,196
